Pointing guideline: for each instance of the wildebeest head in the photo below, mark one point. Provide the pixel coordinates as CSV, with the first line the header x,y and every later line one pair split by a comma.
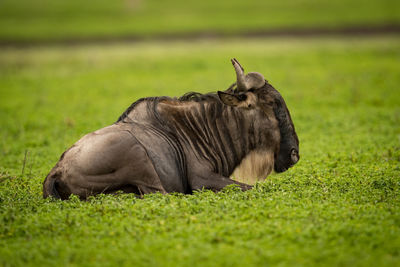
x,y
254,92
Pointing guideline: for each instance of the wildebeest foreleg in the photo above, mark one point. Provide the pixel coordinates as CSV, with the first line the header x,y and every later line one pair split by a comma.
x,y
215,182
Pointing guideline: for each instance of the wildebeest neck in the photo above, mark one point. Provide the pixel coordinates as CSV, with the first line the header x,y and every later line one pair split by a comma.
x,y
216,133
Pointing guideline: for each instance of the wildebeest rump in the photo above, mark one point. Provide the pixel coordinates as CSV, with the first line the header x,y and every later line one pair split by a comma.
x,y
163,144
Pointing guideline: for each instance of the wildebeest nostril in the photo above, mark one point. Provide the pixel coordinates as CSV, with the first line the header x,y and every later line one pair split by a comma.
x,y
294,156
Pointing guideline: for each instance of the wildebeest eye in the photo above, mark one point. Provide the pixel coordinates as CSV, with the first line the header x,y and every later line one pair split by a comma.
x,y
242,97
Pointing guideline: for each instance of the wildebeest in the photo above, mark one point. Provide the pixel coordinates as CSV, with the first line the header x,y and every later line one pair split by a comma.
x,y
163,144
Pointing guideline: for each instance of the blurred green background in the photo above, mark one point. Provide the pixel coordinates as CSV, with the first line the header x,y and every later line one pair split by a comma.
x,y
339,206
35,20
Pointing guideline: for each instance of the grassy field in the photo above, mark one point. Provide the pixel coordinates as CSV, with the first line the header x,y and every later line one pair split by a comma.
x,y
340,205
38,20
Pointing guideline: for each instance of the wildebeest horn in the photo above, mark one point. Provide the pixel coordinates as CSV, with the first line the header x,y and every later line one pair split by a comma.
x,y
240,78
251,80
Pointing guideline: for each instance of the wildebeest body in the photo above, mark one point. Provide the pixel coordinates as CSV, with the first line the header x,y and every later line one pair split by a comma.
x,y
163,144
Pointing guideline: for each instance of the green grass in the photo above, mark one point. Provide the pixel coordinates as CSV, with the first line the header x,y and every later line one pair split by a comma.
x,y
36,20
340,205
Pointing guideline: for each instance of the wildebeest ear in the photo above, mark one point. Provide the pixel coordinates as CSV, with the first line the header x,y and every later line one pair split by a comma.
x,y
229,99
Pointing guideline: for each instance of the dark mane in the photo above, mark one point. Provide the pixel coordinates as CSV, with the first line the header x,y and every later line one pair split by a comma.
x,y
189,96
199,97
